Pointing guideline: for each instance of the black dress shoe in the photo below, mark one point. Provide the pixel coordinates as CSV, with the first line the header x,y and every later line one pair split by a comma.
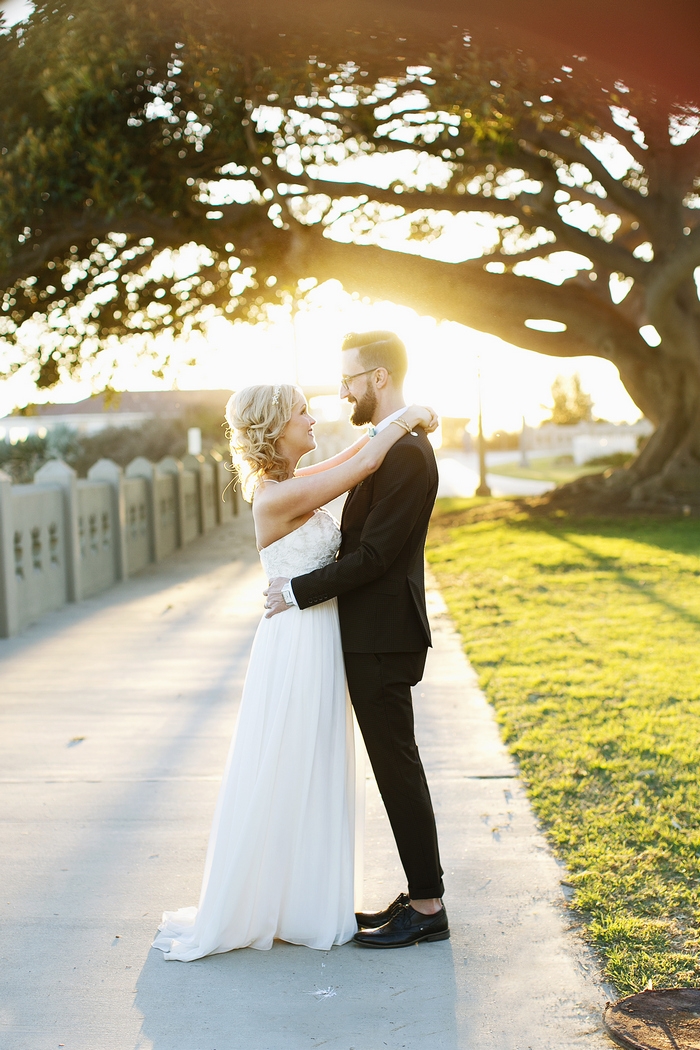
x,y
407,926
371,920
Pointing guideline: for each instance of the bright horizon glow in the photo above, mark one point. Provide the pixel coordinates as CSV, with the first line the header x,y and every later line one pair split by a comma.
x,y
444,359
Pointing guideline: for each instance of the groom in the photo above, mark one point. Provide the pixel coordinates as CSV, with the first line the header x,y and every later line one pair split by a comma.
x,y
378,580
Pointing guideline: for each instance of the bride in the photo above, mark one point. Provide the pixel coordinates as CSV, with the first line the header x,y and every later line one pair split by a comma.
x,y
280,861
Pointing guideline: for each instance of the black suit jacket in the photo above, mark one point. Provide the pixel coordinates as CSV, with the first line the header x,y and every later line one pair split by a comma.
x,y
378,577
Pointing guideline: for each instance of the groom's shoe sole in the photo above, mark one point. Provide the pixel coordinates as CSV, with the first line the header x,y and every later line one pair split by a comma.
x,y
443,936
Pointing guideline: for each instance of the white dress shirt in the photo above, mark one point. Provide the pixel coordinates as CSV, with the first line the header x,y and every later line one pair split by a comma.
x,y
384,423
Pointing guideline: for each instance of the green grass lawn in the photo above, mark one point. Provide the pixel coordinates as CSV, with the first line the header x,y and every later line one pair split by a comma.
x,y
548,468
586,638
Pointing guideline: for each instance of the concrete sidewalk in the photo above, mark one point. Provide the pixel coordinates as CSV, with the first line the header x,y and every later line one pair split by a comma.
x,y
116,717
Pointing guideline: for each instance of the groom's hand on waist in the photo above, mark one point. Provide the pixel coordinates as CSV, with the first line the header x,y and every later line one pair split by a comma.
x,y
275,600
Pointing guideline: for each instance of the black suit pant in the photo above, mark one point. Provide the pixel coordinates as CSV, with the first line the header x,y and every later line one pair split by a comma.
x,y
380,690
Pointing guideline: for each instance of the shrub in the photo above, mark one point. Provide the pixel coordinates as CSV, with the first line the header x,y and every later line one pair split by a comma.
x,y
154,439
613,459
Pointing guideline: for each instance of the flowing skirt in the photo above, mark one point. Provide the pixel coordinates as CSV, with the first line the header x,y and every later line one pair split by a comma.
x,y
280,860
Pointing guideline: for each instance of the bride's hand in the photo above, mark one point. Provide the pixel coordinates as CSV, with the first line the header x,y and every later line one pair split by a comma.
x,y
422,416
274,599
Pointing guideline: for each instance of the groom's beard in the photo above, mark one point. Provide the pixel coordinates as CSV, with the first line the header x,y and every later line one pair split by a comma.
x,y
363,408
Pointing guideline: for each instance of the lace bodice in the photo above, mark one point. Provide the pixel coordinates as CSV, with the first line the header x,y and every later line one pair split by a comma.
x,y
309,547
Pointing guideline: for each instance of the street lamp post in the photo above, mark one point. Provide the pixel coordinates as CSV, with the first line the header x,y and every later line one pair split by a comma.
x,y
483,489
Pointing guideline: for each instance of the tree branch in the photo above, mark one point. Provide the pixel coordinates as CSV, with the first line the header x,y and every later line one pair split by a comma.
x,y
572,151
463,292
608,255
662,303
420,200
495,303
79,226
530,209
623,136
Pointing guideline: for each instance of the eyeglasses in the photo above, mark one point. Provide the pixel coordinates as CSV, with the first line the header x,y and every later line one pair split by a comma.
x,y
347,380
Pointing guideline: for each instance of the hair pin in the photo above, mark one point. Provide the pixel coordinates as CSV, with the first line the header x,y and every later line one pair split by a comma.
x,y
276,396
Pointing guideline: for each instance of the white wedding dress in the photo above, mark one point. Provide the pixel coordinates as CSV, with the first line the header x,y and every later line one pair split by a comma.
x,y
280,861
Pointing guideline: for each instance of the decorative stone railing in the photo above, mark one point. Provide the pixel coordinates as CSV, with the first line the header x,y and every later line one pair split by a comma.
x,y
63,539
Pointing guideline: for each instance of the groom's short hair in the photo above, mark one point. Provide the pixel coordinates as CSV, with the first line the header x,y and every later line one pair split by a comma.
x,y
380,349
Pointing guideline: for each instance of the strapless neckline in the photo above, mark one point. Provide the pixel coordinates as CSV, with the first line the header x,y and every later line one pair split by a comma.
x,y
312,545
288,534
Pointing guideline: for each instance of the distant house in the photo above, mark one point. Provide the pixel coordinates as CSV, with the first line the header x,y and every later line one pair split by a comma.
x,y
129,408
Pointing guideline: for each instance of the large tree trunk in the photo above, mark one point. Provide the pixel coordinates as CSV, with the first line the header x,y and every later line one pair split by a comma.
x,y
666,473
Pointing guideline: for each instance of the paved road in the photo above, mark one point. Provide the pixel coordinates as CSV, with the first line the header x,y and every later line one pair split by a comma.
x,y
459,475
115,721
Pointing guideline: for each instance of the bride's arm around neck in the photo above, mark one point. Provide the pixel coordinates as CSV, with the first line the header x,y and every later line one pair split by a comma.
x,y
334,461
278,509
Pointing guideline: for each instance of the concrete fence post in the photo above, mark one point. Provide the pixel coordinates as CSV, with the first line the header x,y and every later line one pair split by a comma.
x,y
9,619
204,469
194,465
170,465
214,459
226,495
109,471
56,472
143,468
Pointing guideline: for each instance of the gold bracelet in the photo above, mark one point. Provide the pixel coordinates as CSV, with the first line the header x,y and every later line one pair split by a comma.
x,y
403,424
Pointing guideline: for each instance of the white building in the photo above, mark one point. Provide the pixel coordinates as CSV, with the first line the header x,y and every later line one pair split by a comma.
x,y
582,441
128,408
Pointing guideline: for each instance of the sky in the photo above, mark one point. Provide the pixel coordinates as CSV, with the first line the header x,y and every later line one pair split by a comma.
x,y
445,358
15,10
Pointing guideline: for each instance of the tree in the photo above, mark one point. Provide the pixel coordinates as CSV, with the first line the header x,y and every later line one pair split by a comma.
x,y
571,403
130,134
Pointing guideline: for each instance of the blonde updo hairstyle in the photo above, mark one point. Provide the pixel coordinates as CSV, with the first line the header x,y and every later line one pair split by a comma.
x,y
257,417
